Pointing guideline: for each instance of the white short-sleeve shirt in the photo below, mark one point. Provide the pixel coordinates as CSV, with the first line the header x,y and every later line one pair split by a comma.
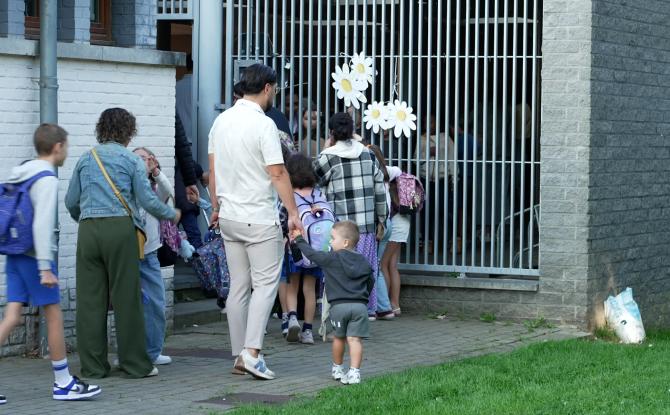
x,y
244,141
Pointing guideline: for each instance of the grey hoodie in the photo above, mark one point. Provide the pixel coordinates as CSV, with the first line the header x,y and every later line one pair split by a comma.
x,y
44,198
349,277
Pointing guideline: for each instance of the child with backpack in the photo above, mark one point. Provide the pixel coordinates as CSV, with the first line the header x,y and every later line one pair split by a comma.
x,y
317,218
27,223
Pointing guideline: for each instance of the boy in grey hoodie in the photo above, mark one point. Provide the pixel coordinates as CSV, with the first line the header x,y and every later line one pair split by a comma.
x,y
349,280
31,277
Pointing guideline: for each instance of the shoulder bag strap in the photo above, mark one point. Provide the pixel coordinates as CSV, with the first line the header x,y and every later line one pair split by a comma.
x,y
111,183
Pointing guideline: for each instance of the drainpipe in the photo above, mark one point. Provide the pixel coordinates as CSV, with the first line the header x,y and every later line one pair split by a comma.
x,y
210,65
48,104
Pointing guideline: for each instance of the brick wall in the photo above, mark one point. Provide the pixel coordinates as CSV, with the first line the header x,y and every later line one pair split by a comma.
x,y
630,156
11,18
85,89
134,23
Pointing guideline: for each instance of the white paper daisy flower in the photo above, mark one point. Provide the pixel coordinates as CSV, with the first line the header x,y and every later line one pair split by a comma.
x,y
400,118
361,67
347,87
375,117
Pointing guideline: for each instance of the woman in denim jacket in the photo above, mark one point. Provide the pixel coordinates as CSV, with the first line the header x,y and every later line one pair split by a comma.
x,y
107,247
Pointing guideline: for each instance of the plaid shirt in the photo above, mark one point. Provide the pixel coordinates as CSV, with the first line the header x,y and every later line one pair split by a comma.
x,y
355,188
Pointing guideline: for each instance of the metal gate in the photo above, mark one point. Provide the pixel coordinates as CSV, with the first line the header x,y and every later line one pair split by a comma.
x,y
469,69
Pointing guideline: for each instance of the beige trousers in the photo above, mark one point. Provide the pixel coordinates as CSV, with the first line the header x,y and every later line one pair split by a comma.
x,y
255,254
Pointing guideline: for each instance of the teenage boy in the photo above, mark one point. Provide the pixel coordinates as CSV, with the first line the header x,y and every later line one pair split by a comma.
x,y
349,279
32,277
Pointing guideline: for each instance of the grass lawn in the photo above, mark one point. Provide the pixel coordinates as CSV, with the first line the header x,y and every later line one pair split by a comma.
x,y
566,377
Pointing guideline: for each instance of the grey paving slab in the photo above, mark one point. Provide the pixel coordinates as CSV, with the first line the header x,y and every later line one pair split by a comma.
x,y
407,342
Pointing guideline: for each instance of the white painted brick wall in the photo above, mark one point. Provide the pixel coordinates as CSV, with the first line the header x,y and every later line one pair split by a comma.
x,y
85,89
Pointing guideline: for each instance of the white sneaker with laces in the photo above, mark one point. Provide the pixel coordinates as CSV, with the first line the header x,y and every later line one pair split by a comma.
x,y
3,399
76,390
256,366
293,330
163,360
307,337
337,372
352,377
154,372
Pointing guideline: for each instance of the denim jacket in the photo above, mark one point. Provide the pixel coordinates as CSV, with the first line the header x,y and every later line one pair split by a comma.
x,y
90,196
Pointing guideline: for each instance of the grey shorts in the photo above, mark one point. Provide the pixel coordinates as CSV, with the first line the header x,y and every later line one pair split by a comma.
x,y
350,320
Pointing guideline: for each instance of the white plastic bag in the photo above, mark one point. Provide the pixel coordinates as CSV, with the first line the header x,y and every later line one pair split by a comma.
x,y
623,315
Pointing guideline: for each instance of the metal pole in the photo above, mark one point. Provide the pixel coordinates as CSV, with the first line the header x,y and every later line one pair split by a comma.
x,y
209,70
48,106
230,10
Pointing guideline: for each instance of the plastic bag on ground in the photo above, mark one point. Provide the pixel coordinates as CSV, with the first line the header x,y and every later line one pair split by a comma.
x,y
623,315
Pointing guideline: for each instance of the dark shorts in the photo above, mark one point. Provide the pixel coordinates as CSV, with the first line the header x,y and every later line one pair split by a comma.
x,y
23,282
289,267
350,320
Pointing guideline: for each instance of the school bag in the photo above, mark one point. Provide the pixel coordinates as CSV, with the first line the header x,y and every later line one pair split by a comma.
x,y
407,194
317,219
210,265
16,215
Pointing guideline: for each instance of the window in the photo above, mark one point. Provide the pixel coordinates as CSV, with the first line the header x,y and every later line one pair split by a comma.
x,y
32,22
101,21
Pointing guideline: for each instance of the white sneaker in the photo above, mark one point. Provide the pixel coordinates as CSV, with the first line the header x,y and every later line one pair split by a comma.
x,y
154,372
351,378
3,399
307,337
256,367
293,330
163,360
337,372
75,391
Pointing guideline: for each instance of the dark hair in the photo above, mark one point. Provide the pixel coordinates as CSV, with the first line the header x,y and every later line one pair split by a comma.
x,y
115,125
380,158
285,153
189,62
47,136
348,230
299,168
255,77
342,126
237,90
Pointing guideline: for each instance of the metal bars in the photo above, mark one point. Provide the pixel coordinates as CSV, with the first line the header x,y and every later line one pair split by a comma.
x,y
469,69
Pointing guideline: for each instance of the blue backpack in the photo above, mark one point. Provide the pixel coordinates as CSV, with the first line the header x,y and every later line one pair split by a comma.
x,y
16,216
318,219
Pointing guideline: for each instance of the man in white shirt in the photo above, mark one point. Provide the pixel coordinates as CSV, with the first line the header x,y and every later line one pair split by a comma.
x,y
246,162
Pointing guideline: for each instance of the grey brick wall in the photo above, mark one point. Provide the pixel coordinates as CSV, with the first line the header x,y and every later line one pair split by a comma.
x,y
630,156
564,179
134,23
11,18
74,21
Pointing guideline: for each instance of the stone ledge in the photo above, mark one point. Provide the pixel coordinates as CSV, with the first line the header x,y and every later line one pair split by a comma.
x,y
470,283
24,47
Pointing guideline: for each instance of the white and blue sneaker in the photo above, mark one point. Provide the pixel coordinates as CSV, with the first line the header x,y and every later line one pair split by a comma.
x,y
76,390
352,377
256,366
337,372
3,399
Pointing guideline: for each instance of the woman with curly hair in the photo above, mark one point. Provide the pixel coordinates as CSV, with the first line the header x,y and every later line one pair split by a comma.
x,y
107,185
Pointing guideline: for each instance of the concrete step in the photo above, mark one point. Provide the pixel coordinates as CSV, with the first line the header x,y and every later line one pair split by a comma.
x,y
186,314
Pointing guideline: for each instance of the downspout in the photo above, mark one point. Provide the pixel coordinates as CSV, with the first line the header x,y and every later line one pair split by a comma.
x,y
48,105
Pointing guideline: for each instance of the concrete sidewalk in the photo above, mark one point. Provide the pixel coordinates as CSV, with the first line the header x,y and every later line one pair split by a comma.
x,y
199,380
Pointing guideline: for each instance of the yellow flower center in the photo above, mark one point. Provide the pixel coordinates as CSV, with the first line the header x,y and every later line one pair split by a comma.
x,y
401,115
360,68
376,113
346,85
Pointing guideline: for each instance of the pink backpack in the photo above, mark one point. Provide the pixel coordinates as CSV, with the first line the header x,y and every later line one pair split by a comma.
x,y
407,194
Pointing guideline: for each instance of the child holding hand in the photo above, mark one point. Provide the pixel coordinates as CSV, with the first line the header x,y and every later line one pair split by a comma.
x,y
349,279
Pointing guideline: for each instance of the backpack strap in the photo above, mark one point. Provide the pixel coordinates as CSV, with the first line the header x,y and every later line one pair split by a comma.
x,y
111,183
25,185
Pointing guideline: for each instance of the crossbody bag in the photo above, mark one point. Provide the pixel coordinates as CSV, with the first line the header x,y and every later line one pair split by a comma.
x,y
141,237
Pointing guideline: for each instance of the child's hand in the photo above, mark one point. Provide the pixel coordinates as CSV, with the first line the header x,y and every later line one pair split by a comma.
x,y
295,234
48,279
380,231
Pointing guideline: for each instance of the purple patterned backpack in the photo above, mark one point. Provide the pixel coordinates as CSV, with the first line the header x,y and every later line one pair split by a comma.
x,y
407,194
209,263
